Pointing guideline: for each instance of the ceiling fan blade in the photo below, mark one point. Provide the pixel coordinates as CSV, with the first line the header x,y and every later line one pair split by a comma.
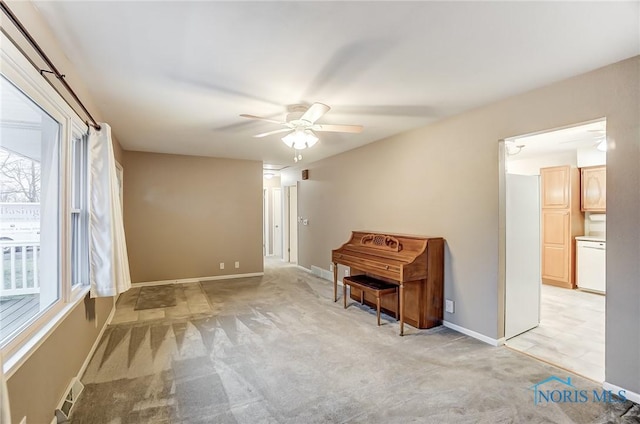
x,y
338,128
260,118
272,132
315,112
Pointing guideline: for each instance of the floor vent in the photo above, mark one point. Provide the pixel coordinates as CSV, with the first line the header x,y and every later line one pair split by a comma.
x,y
66,405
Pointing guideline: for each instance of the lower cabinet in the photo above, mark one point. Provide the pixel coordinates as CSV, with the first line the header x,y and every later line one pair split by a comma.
x,y
557,257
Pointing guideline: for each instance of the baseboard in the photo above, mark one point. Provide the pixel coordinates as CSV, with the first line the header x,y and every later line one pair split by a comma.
x,y
322,273
474,334
304,269
197,280
558,283
325,274
632,396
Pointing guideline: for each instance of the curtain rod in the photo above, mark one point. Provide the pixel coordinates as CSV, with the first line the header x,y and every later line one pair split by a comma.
x,y
53,70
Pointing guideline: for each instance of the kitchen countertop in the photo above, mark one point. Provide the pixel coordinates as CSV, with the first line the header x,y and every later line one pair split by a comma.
x,y
591,238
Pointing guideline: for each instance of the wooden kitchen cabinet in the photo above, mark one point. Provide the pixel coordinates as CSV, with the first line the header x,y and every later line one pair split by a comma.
x,y
562,220
593,181
556,246
556,187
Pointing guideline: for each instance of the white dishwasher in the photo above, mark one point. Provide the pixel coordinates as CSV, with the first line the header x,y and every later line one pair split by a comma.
x,y
591,265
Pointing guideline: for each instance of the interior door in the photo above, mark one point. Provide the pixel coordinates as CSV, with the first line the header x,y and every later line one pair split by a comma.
x,y
522,291
293,224
277,222
265,223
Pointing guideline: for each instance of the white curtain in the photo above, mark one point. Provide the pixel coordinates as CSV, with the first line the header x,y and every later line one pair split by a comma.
x,y
109,264
49,212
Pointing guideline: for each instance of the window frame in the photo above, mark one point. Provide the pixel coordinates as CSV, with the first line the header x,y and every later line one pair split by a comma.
x,y
20,72
80,207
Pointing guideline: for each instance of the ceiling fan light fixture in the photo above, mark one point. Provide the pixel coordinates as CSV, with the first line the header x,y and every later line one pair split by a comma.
x,y
513,148
300,139
311,138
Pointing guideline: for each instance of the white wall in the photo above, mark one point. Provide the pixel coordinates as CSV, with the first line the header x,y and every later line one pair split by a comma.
x,y
531,166
590,157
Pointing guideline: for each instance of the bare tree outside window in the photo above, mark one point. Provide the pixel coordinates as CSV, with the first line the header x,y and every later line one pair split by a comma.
x,y
19,178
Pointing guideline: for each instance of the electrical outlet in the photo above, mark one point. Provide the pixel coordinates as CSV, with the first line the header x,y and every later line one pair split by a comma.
x,y
221,265
237,264
449,306
347,272
331,267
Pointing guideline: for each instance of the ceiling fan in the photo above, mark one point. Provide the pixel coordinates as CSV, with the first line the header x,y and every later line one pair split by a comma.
x,y
301,124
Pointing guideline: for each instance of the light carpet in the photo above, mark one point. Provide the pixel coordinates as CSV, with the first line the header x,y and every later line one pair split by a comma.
x,y
277,349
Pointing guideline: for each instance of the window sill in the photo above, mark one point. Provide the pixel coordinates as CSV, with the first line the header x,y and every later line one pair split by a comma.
x,y
18,355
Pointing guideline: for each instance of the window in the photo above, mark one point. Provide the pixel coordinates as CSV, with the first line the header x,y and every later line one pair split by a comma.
x,y
29,196
79,213
43,206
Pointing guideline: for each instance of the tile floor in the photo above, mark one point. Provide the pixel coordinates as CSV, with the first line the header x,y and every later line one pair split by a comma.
x,y
570,334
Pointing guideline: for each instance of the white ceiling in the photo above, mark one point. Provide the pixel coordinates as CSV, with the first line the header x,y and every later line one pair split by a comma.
x,y
563,140
173,77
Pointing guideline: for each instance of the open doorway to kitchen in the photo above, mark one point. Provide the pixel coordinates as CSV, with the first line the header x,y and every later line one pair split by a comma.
x,y
554,243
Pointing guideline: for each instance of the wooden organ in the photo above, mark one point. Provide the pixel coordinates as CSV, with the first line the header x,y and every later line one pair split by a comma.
x,y
414,263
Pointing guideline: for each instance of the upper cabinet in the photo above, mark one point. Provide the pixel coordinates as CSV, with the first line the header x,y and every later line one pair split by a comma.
x,y
594,189
556,185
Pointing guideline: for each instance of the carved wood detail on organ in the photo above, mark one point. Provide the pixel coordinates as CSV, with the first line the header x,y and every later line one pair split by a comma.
x,y
381,241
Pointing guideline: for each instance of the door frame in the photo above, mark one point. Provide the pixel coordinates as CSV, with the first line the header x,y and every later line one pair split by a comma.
x,y
292,226
265,222
502,239
502,213
276,192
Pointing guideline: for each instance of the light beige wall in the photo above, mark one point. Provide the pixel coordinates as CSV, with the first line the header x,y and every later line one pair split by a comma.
x,y
442,180
37,386
186,214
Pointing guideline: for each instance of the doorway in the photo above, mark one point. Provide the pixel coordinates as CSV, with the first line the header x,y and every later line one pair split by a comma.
x,y
266,245
277,222
550,311
272,213
293,224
